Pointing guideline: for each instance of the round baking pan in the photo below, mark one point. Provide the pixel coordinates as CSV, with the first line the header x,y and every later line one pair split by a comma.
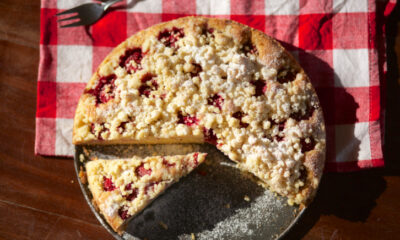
x,y
216,201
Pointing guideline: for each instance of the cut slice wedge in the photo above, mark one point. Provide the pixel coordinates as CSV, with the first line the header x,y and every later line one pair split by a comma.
x,y
122,188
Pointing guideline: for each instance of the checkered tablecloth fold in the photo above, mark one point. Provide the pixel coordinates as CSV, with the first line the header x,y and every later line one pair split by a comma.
x,y
339,43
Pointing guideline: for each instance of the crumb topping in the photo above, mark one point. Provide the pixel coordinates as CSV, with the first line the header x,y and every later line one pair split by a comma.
x,y
124,187
202,84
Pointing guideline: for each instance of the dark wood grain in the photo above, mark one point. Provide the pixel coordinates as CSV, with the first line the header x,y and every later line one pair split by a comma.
x,y
40,198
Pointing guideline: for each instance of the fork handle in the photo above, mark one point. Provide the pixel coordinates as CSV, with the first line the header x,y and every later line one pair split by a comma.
x,y
109,3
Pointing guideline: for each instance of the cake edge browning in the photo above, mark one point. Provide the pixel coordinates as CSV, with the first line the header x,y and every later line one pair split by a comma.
x,y
268,48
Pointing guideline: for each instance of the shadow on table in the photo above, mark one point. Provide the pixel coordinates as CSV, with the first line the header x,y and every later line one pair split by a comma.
x,y
352,196
392,121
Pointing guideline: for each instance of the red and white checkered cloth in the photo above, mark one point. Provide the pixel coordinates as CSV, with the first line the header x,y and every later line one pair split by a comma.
x,y
340,44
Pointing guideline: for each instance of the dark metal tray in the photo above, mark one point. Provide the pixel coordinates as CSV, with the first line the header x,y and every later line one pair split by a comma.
x,y
216,201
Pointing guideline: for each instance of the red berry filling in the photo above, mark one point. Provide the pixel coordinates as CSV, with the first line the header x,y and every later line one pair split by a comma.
x,y
128,187
149,84
187,120
209,136
216,100
104,90
135,55
121,127
123,213
207,30
150,187
102,129
108,185
134,193
141,171
145,90
197,70
239,115
278,138
298,116
196,159
281,125
249,48
147,77
307,145
170,37
166,163
261,87
288,77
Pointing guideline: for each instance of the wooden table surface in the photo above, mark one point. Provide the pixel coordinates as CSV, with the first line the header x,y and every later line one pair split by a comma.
x,y
40,198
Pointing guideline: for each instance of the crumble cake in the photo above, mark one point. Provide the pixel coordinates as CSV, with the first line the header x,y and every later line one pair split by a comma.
x,y
196,79
121,188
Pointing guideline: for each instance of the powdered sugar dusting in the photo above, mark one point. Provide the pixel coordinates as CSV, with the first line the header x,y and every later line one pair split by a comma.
x,y
210,202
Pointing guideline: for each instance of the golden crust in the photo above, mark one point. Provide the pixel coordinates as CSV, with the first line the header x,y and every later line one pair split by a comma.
x,y
270,54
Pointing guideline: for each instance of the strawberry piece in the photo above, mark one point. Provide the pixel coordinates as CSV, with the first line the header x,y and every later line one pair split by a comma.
x,y
108,185
135,55
104,90
196,157
239,115
187,120
298,116
261,87
166,163
141,171
278,138
209,136
288,77
170,37
307,146
123,213
248,48
133,195
281,125
149,84
146,77
207,30
197,70
216,100
121,127
103,129
150,187
145,90
128,187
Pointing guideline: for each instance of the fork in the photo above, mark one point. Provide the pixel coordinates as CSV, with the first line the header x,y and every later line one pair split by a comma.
x,y
87,13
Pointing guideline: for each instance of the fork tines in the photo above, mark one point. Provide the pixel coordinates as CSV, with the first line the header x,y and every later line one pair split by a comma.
x,y
75,16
